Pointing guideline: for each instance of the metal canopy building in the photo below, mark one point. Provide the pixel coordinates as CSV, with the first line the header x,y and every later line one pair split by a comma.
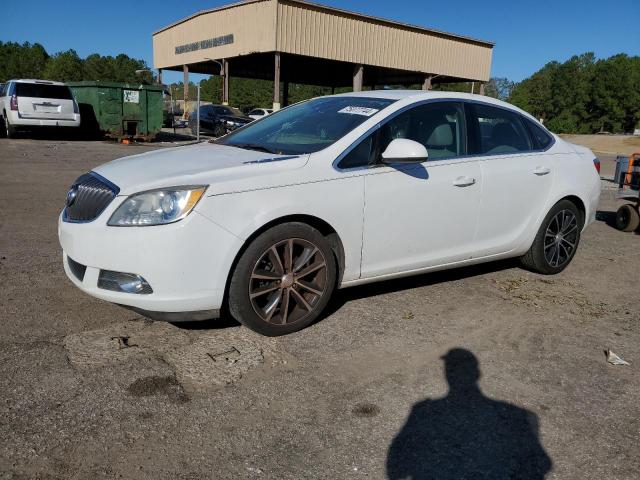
x,y
300,42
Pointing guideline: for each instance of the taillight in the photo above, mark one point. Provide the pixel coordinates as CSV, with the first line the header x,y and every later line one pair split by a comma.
x,y
14,102
76,109
596,163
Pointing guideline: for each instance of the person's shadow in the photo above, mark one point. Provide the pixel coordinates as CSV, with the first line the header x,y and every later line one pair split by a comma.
x,y
466,435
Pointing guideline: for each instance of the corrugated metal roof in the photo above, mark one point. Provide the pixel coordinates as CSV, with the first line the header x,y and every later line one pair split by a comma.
x,y
335,10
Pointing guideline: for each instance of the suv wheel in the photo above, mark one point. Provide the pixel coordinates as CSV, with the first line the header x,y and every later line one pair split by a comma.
x,y
9,130
283,280
557,240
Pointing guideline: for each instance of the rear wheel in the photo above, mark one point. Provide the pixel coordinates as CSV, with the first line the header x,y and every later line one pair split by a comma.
x,y
283,280
627,218
9,130
556,241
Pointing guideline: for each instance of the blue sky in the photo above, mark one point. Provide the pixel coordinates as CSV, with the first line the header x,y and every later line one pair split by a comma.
x,y
527,34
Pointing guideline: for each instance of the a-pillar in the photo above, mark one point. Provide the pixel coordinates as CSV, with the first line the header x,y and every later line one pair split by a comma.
x,y
276,83
426,84
185,82
225,82
358,75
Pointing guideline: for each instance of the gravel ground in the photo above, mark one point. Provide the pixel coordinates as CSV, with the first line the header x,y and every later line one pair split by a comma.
x,y
90,390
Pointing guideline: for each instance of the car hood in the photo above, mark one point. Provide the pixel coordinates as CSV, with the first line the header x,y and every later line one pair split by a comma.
x,y
199,164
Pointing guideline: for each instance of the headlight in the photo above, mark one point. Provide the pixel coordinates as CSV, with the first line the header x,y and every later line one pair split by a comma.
x,y
157,207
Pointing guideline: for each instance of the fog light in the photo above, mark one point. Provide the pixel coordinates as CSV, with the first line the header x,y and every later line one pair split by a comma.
x,y
123,282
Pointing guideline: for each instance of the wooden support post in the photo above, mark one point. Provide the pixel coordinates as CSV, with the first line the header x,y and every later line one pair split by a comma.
x,y
185,81
473,86
285,93
159,76
358,76
426,85
276,82
225,82
482,88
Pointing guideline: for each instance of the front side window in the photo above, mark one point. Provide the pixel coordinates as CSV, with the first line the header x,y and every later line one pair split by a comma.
x,y
498,131
306,127
439,126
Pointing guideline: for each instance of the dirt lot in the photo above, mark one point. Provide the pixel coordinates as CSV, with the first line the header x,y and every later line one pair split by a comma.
x,y
612,144
89,390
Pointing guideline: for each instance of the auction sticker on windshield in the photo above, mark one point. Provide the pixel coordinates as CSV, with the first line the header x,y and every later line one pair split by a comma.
x,y
367,112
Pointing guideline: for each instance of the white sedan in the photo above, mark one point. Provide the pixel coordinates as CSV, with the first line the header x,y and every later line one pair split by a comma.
x,y
266,222
258,113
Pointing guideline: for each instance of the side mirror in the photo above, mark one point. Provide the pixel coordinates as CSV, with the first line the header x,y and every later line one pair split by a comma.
x,y
403,150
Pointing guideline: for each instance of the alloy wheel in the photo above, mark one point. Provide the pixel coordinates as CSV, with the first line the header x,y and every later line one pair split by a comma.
x,y
288,281
561,238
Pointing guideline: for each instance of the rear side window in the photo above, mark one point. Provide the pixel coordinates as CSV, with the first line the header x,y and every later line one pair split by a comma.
x,y
40,90
540,137
498,131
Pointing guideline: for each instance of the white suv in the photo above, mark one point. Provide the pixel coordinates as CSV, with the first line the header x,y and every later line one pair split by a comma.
x,y
27,104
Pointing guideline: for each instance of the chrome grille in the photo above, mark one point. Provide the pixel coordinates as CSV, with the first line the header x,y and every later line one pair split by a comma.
x,y
88,197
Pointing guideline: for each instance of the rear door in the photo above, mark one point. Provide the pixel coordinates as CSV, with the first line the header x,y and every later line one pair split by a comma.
x,y
517,175
45,101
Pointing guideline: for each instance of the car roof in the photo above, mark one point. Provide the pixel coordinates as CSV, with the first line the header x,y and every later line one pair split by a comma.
x,y
420,95
33,80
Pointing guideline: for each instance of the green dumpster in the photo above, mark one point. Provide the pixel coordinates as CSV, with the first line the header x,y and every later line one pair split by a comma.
x,y
119,110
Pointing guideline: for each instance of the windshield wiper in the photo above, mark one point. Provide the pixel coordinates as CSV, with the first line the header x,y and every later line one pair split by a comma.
x,y
252,146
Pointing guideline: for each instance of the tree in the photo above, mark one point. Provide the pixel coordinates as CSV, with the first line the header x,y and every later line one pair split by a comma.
x,y
499,87
64,67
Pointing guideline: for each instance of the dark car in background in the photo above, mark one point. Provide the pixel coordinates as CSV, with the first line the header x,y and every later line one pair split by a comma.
x,y
217,120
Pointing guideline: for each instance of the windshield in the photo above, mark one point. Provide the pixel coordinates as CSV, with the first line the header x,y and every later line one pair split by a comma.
x,y
306,127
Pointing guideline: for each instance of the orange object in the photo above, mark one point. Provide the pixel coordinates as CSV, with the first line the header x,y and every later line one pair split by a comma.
x,y
629,177
125,141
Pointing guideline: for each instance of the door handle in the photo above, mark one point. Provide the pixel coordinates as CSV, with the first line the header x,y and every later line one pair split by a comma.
x,y
464,181
542,171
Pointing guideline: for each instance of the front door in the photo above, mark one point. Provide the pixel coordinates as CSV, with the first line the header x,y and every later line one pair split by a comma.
x,y
421,215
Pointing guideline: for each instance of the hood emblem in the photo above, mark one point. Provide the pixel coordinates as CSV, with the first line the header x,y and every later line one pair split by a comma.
x,y
71,195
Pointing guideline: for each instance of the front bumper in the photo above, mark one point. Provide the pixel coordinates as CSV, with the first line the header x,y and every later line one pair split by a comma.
x,y
186,263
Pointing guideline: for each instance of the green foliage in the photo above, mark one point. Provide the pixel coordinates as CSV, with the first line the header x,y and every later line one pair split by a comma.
x,y
32,61
584,95
63,67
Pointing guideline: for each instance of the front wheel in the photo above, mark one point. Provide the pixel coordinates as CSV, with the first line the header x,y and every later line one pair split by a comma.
x,y
283,280
556,241
219,130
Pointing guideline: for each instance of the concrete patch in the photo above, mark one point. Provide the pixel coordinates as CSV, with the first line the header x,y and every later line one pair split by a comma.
x,y
217,358
200,360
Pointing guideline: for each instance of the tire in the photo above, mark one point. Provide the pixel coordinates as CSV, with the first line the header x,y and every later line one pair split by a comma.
x,y
9,130
627,218
275,296
219,130
557,240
